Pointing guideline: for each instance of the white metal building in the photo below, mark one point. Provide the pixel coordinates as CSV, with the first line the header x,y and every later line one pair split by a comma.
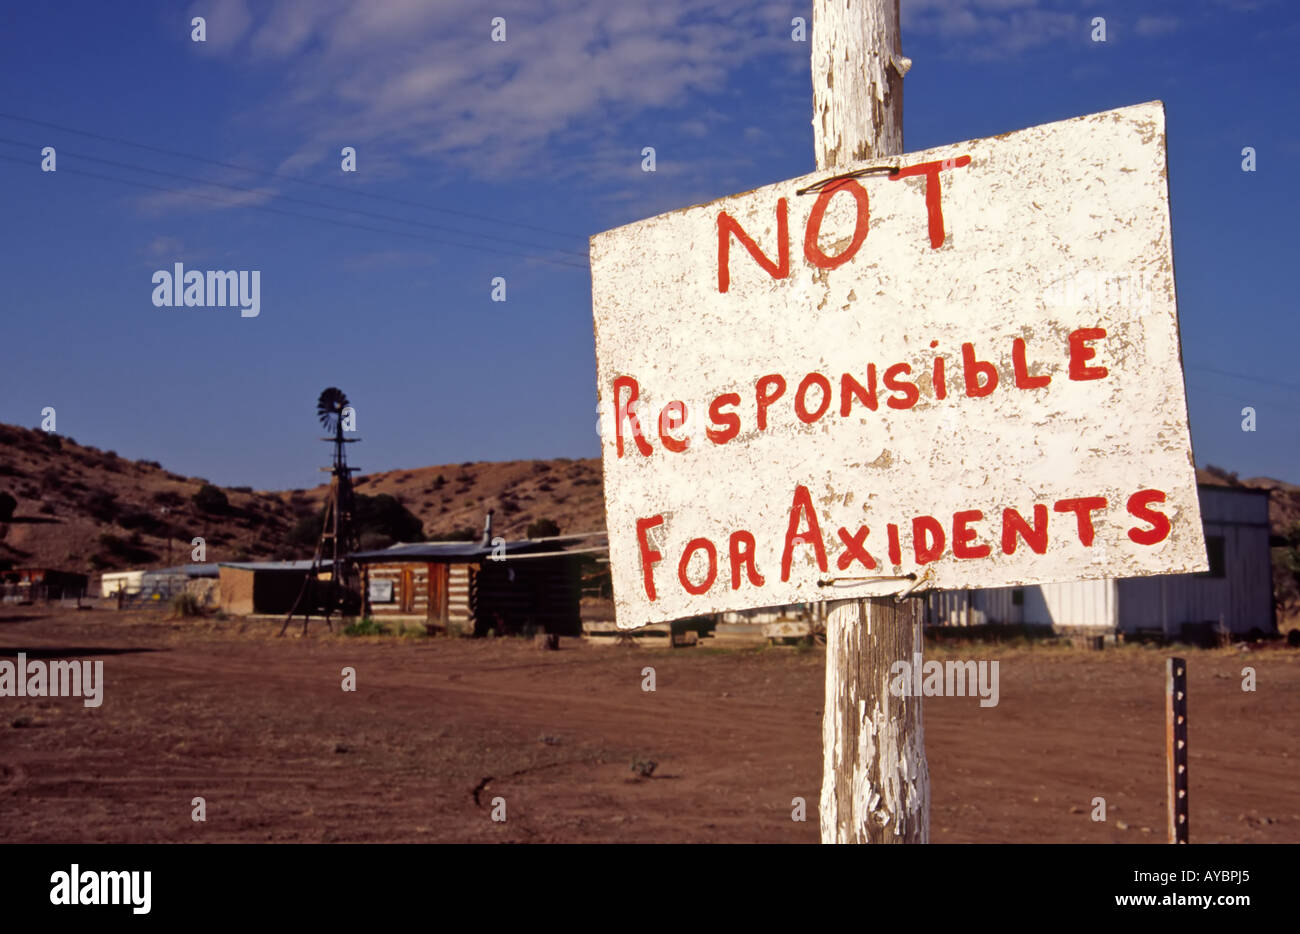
x,y
1236,593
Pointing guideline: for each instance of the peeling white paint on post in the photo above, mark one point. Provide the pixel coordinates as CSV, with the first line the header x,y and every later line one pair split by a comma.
x,y
857,76
875,780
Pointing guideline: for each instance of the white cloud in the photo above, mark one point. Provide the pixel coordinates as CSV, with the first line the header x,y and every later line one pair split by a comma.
x,y
426,79
990,29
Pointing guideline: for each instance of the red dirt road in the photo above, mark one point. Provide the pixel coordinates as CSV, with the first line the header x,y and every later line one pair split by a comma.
x,y
439,729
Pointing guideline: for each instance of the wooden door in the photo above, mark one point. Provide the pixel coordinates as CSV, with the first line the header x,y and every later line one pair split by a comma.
x,y
408,590
438,577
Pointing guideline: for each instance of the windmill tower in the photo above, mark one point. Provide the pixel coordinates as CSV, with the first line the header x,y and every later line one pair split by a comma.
x,y
338,590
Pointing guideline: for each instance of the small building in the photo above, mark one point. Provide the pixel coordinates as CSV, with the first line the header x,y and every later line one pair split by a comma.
x,y
468,588
261,588
25,585
129,583
1235,594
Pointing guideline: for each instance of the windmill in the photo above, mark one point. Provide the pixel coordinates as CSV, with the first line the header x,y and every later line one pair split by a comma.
x,y
339,589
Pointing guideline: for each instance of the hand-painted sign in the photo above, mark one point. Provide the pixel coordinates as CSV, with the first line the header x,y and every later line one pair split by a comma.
x,y
955,368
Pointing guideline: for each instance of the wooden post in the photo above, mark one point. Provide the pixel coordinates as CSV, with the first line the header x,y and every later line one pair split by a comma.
x,y
1176,747
875,782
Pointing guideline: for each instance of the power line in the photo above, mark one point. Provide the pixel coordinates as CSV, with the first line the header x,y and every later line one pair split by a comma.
x,y
310,217
23,144
291,178
1242,400
1293,387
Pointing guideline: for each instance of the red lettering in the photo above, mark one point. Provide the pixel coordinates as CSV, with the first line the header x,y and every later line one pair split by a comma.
x,y
895,549
802,505
1081,353
800,398
1139,507
623,411
810,246
972,368
766,398
933,205
673,416
1014,523
1083,508
1023,379
850,388
963,535
910,393
694,545
727,226
719,417
743,556
649,557
854,549
924,527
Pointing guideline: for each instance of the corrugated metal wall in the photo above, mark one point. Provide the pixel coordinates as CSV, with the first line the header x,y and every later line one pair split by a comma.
x,y
1242,598
1069,604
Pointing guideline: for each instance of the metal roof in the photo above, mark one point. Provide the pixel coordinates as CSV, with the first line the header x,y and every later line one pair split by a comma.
x,y
304,565
190,570
416,551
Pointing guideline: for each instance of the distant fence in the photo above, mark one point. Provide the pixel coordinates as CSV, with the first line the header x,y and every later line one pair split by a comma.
x,y
24,592
159,590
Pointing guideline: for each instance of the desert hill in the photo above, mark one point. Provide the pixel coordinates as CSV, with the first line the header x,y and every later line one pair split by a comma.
x,y
83,509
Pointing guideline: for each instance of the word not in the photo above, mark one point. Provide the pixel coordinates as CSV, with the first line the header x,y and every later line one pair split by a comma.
x,y
36,678
814,396
224,288
728,226
103,888
944,679
929,540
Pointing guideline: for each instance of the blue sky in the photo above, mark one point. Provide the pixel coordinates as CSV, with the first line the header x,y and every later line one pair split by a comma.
x,y
539,139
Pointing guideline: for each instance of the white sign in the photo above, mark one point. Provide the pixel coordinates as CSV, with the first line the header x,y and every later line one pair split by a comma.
x,y
965,373
381,591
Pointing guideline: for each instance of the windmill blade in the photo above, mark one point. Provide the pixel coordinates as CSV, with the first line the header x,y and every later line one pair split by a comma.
x,y
330,406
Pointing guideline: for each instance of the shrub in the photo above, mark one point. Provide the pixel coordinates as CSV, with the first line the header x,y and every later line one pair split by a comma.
x,y
142,521
211,500
185,605
542,528
102,506
51,479
169,498
380,521
466,533
366,627
128,550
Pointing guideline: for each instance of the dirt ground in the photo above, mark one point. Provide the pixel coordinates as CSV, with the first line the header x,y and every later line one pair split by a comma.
x,y
437,730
